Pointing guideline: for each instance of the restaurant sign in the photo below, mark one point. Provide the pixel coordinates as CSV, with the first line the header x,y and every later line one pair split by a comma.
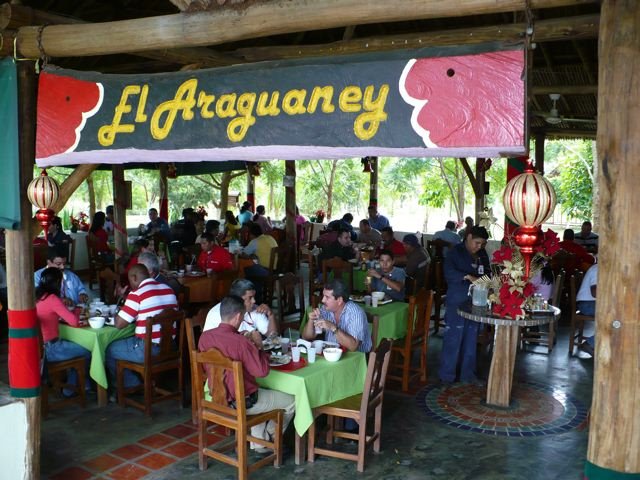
x,y
432,102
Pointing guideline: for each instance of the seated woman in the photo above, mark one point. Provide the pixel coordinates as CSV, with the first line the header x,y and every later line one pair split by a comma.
x,y
231,227
50,309
100,238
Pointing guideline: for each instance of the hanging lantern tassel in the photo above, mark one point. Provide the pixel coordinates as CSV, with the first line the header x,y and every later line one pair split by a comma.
x,y
366,164
529,199
43,193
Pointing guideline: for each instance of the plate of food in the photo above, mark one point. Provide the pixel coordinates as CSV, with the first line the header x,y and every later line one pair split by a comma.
x,y
279,360
357,298
196,274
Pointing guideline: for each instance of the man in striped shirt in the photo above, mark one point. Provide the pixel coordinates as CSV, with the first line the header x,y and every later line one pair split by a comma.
x,y
147,299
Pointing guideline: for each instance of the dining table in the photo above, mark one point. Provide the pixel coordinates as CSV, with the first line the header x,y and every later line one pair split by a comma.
x,y
505,344
96,340
316,384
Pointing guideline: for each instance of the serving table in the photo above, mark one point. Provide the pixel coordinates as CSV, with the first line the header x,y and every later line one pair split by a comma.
x,y
505,343
317,384
96,340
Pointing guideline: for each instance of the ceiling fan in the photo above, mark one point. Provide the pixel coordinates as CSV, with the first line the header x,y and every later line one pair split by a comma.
x,y
552,117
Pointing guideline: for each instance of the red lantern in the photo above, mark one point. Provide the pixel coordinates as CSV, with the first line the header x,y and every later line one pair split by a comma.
x,y
43,192
529,199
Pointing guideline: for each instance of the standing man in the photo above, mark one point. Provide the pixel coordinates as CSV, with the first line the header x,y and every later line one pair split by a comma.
x,y
389,279
147,298
376,220
342,320
255,363
587,238
463,265
72,290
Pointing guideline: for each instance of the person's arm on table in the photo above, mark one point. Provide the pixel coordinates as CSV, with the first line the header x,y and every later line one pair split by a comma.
x,y
63,312
309,332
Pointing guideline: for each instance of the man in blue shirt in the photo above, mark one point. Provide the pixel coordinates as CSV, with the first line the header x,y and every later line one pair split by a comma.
x,y
344,224
448,235
376,220
157,225
72,291
464,264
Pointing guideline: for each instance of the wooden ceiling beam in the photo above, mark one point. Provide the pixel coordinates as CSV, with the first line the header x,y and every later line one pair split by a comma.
x,y
564,133
17,16
246,21
579,27
564,89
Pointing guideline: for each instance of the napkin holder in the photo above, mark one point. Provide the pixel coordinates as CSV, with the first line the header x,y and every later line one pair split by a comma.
x,y
304,345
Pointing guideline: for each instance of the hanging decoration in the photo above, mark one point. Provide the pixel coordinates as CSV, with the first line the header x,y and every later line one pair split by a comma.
x,y
172,172
43,193
529,199
366,164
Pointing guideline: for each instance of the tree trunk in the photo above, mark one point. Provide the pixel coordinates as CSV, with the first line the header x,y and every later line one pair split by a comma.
x,y
224,193
92,196
614,434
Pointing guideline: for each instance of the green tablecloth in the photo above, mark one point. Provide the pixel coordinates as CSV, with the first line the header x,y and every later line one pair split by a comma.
x,y
96,340
392,319
319,383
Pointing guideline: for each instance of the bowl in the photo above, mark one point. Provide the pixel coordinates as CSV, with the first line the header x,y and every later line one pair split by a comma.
x,y
96,322
332,354
378,295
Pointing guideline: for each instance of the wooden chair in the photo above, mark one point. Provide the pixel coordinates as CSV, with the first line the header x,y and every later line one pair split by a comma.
x,y
340,268
168,359
218,411
72,253
440,293
359,408
576,332
413,285
314,283
193,329
545,337
53,381
417,338
290,300
222,284
436,248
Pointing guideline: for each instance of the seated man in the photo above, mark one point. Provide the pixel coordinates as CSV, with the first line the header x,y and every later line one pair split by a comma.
x,y
568,244
417,259
147,298
448,235
259,319
390,243
369,235
213,256
255,363
342,320
587,238
586,302
259,247
343,224
72,290
342,247
376,220
157,224
389,279
152,262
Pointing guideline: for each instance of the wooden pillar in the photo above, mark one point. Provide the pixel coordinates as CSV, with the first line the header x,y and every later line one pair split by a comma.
x,y
290,205
614,433
163,211
373,183
120,196
251,186
19,245
540,140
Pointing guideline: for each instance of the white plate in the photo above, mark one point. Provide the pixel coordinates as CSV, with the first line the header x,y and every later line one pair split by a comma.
x,y
279,360
196,274
357,298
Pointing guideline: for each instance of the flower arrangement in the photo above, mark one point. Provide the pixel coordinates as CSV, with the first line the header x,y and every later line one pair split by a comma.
x,y
81,222
320,216
201,212
508,285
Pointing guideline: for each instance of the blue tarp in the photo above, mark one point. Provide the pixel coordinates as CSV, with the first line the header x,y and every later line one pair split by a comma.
x,y
9,161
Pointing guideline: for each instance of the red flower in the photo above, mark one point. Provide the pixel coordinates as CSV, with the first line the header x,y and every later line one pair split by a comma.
x,y
528,290
510,302
551,243
505,253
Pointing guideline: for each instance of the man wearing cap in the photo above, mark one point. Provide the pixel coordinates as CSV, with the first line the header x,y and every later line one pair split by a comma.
x,y
417,259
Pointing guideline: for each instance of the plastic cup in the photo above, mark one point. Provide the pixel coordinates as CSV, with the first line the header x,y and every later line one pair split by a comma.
x,y
311,354
285,344
188,268
374,302
209,272
367,300
318,345
295,354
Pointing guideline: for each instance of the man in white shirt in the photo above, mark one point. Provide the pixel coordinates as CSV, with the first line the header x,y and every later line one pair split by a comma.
x,y
257,321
